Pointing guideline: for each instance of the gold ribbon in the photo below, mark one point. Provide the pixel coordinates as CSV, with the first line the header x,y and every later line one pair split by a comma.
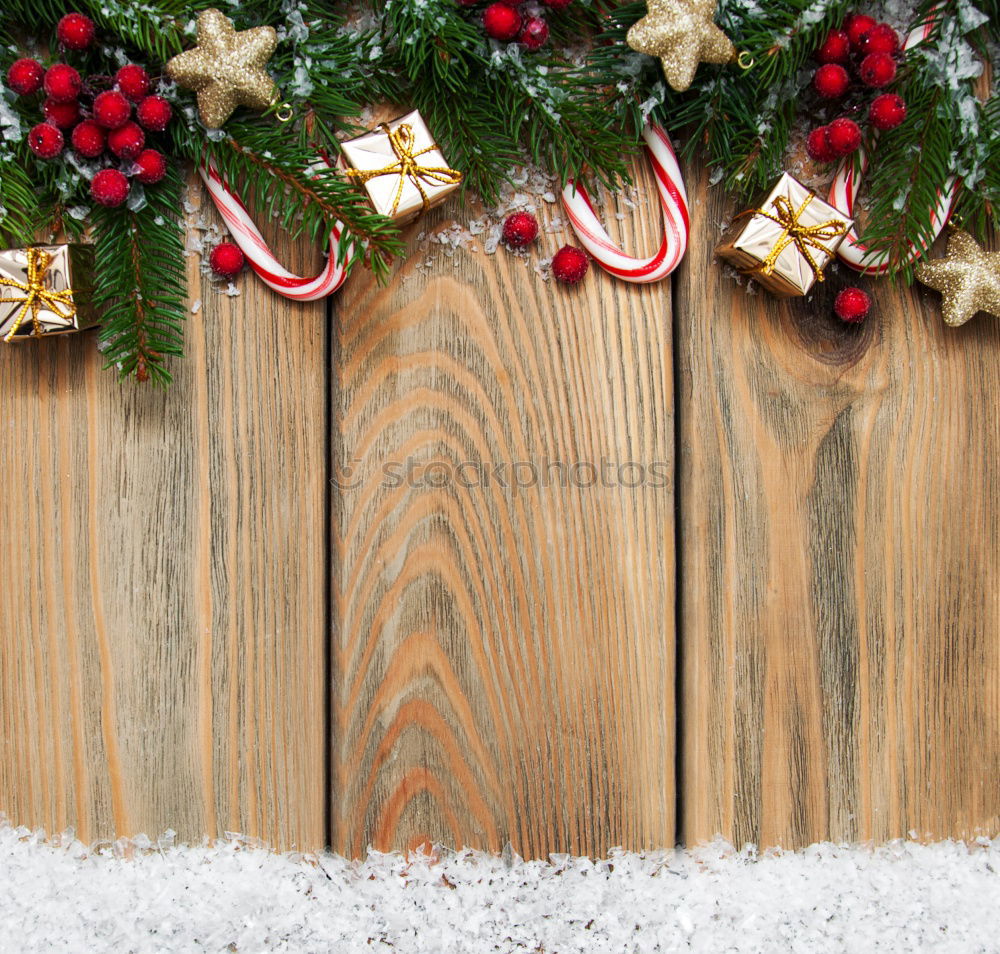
x,y
406,166
795,233
36,296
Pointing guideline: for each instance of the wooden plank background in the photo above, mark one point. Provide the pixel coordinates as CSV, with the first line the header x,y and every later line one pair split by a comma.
x,y
221,614
162,616
839,522
503,656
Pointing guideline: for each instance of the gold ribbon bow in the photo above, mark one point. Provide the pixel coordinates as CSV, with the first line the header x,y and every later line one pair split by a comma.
x,y
802,236
36,296
406,166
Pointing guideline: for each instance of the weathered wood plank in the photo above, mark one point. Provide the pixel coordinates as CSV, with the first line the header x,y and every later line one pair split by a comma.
x,y
162,619
839,563
503,655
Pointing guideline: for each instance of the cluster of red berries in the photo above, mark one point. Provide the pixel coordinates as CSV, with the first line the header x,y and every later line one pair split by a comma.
x,y
505,21
867,49
569,264
98,123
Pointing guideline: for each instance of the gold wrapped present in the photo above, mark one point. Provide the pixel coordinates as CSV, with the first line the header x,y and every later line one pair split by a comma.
x,y
45,290
401,167
787,241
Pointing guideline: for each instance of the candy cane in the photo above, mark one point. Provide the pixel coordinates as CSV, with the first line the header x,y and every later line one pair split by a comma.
x,y
248,237
847,183
673,201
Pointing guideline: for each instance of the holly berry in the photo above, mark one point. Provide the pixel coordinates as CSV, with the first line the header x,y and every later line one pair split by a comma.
x,y
64,115
843,136
111,109
150,166
836,48
46,141
569,265
534,34
62,83
154,113
831,81
887,111
109,187
881,38
877,69
133,81
852,305
226,260
520,229
88,139
501,22
856,26
127,141
818,146
557,4
25,76
75,31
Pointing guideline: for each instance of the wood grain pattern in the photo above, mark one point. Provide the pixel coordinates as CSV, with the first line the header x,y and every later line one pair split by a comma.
x,y
839,566
162,615
503,655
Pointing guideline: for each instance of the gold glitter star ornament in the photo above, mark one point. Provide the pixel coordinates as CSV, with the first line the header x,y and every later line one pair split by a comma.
x,y
682,34
968,278
226,68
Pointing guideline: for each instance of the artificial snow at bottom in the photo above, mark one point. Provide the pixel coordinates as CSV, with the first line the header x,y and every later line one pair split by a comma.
x,y
233,898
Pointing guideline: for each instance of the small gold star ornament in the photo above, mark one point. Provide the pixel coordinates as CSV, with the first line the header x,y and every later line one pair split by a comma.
x,y
682,34
968,278
226,68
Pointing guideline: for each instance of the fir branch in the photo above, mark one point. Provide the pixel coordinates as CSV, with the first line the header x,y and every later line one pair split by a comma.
x,y
140,284
17,204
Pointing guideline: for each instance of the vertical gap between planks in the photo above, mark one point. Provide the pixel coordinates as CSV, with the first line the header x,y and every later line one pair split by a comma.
x,y
329,342
679,693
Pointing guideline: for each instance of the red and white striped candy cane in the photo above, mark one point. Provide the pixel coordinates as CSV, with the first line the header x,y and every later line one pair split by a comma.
x,y
847,183
673,200
247,236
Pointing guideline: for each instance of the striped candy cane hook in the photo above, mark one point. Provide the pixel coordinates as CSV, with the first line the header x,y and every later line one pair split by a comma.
x,y
673,201
248,237
847,184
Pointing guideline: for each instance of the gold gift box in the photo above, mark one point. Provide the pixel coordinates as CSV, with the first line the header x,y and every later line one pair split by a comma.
x,y
401,167
775,242
61,303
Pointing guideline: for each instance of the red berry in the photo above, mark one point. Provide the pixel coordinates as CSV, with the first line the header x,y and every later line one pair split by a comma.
x,y
836,48
852,304
150,166
62,83
887,111
534,34
818,147
881,38
25,77
133,81
154,113
109,187
501,22
111,110
569,265
63,115
831,81
88,139
75,31
126,142
45,141
557,4
520,229
843,136
856,26
877,69
226,260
